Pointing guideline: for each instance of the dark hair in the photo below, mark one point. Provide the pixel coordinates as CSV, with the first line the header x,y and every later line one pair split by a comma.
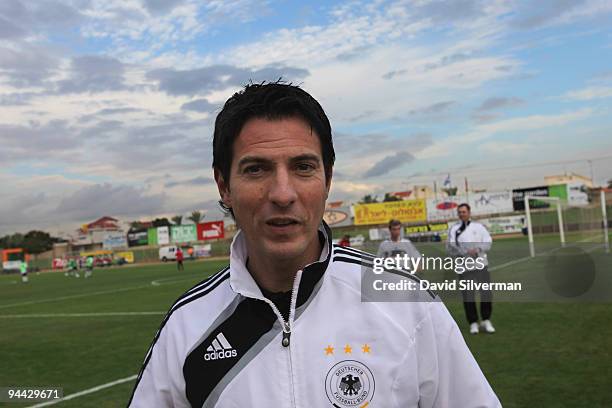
x,y
272,101
466,205
394,223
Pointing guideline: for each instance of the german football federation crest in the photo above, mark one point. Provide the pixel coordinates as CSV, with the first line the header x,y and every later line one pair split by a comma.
x,y
349,383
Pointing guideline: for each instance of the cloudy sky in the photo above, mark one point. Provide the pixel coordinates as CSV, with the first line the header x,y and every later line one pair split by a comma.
x,y
106,106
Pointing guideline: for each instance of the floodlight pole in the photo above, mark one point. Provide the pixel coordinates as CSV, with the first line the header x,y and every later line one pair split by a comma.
x,y
560,216
605,219
529,227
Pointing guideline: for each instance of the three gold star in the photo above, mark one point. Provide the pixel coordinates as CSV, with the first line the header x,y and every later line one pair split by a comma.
x,y
329,350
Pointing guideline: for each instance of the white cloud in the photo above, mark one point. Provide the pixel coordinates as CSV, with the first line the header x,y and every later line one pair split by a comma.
x,y
519,126
501,147
587,94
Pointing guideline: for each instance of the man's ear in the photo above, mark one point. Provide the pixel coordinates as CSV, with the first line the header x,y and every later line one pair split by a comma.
x,y
223,188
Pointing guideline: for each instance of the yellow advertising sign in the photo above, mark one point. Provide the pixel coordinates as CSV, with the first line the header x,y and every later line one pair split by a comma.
x,y
381,213
418,228
127,255
438,227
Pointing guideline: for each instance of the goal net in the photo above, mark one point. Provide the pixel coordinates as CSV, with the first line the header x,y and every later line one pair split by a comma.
x,y
552,222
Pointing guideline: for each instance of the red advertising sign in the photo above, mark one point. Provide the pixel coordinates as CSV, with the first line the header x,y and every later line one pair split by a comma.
x,y
210,230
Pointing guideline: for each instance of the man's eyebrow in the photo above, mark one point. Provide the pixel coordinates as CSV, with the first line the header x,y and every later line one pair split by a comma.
x,y
252,159
306,156
261,160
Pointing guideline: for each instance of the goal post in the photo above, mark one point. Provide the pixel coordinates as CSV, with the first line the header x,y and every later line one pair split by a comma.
x,y
604,213
557,201
582,224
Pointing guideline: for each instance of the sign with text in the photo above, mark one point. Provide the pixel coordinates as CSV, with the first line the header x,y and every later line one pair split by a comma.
x,y
577,194
137,237
381,213
491,203
504,225
184,233
518,196
114,240
163,235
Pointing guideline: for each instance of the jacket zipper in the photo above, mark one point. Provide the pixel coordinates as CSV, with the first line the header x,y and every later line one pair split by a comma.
x,y
286,340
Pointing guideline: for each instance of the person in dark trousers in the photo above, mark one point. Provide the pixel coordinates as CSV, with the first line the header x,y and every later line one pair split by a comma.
x,y
468,238
179,259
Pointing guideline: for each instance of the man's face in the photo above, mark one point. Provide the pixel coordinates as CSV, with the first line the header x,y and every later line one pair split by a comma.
x,y
463,213
277,187
396,231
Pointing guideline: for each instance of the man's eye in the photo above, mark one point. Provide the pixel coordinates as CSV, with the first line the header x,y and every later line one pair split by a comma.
x,y
253,170
305,167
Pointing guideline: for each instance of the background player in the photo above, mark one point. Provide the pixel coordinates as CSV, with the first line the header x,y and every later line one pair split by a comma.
x,y
396,245
470,238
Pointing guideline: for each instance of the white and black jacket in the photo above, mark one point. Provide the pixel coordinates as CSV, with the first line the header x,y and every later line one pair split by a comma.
x,y
223,344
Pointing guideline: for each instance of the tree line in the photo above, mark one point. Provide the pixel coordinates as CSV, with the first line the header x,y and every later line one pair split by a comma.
x,y
33,242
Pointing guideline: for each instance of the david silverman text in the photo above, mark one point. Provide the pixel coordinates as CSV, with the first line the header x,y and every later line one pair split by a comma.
x,y
424,284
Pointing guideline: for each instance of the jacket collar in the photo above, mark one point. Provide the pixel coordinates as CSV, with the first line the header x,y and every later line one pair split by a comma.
x,y
243,283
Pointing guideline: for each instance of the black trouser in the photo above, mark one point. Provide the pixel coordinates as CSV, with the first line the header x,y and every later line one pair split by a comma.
x,y
179,266
469,298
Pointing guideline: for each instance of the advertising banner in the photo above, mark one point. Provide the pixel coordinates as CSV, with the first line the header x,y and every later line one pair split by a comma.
x,y
58,263
202,251
518,195
184,233
381,213
210,230
127,255
163,235
558,190
426,230
114,240
491,203
137,237
444,208
338,217
577,194
11,265
152,236
504,225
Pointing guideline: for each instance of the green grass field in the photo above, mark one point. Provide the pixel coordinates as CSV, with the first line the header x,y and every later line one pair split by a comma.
x,y
75,333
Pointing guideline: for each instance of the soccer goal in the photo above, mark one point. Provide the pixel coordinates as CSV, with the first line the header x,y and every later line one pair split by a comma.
x,y
584,225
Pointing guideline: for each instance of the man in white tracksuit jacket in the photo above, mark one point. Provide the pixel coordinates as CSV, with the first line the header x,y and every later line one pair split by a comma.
x,y
287,324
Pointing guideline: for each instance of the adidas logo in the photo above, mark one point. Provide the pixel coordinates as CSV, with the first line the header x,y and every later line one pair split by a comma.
x,y
220,348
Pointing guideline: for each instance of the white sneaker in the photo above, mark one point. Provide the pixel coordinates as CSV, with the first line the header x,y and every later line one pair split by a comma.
x,y
474,328
487,327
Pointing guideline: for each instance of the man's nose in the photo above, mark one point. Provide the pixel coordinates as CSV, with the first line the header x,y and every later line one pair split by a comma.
x,y
282,191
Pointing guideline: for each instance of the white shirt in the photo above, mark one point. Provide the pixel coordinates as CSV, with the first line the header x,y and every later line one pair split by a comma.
x,y
221,345
474,236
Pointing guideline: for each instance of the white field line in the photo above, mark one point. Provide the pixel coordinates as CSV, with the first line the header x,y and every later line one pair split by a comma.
x,y
8,282
157,282
102,292
516,261
85,392
100,314
165,281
